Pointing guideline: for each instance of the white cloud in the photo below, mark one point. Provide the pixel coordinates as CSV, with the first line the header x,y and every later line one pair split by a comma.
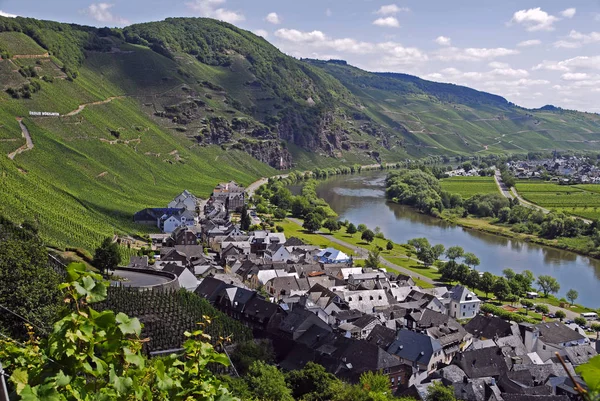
x,y
101,13
3,14
529,43
568,13
575,76
390,54
390,22
497,64
294,35
534,19
273,18
443,41
577,39
583,62
211,9
472,53
328,12
261,32
391,9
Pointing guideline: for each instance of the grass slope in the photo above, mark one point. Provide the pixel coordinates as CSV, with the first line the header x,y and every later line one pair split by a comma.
x,y
469,186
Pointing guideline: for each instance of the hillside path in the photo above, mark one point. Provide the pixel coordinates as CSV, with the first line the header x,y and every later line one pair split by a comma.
x,y
83,106
28,142
363,253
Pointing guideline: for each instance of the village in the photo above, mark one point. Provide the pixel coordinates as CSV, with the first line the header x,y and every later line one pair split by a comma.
x,y
315,305
563,169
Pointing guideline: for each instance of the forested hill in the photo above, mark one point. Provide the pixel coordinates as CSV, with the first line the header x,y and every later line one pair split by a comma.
x,y
154,108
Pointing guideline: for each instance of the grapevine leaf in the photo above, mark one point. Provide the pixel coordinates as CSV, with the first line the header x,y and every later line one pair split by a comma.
x,y
128,325
591,373
121,384
20,378
62,379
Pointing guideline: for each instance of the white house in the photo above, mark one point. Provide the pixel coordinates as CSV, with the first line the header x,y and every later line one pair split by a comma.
x,y
169,222
185,277
332,255
463,304
277,253
184,200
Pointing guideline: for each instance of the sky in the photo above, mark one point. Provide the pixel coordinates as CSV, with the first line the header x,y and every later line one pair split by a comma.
x,y
531,52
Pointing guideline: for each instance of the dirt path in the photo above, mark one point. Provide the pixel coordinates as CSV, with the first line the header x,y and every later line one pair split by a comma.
x,y
83,106
363,253
28,142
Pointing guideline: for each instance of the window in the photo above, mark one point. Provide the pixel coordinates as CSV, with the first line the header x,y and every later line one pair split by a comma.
x,y
392,379
463,313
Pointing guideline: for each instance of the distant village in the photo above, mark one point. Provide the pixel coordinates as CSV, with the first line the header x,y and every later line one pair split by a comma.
x,y
316,305
569,170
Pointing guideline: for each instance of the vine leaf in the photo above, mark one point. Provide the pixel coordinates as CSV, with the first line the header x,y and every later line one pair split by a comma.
x,y
128,325
591,373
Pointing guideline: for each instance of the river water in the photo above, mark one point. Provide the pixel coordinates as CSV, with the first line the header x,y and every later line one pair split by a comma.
x,y
361,199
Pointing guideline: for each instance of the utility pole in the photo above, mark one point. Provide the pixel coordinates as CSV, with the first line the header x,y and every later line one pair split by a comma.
x,y
3,388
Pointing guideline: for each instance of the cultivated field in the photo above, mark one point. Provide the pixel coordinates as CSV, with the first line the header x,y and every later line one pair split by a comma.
x,y
469,186
577,200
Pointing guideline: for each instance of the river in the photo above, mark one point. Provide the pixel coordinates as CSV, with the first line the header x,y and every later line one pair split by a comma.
x,y
361,199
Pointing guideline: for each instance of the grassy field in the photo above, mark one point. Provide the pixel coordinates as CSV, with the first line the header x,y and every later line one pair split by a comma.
x,y
577,200
292,229
469,186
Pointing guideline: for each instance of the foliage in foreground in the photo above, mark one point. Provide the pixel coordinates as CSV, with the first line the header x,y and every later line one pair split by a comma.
x,y
94,355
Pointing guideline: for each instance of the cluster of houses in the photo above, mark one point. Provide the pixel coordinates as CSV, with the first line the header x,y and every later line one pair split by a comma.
x,y
572,169
316,305
180,212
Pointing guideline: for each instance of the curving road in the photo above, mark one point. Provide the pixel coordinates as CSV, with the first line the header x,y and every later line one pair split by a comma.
x,y
28,142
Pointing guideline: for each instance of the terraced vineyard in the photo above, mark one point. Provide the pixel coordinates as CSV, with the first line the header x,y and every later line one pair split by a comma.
x,y
577,200
469,186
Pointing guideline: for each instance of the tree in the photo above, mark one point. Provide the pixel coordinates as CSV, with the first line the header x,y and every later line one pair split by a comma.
x,y
560,315
279,214
473,279
361,227
300,205
107,256
247,352
92,355
245,220
501,289
419,243
367,236
312,383
373,260
541,308
426,256
29,288
332,225
486,283
438,250
267,383
580,321
439,392
548,284
351,229
389,246
448,271
471,260
312,223
455,252
527,304
509,273
572,295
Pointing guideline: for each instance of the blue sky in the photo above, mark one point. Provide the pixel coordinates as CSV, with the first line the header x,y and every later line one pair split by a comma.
x,y
531,52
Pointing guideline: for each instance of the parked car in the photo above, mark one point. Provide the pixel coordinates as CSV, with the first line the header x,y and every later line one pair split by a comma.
x,y
569,321
552,315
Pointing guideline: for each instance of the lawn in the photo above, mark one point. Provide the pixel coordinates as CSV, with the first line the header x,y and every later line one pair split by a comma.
x,y
469,186
292,229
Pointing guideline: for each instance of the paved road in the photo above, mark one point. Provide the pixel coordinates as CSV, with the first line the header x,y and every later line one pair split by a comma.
x,y
250,189
363,253
501,186
28,142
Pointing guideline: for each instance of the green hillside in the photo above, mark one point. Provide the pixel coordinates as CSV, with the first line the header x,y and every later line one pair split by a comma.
x,y
154,108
